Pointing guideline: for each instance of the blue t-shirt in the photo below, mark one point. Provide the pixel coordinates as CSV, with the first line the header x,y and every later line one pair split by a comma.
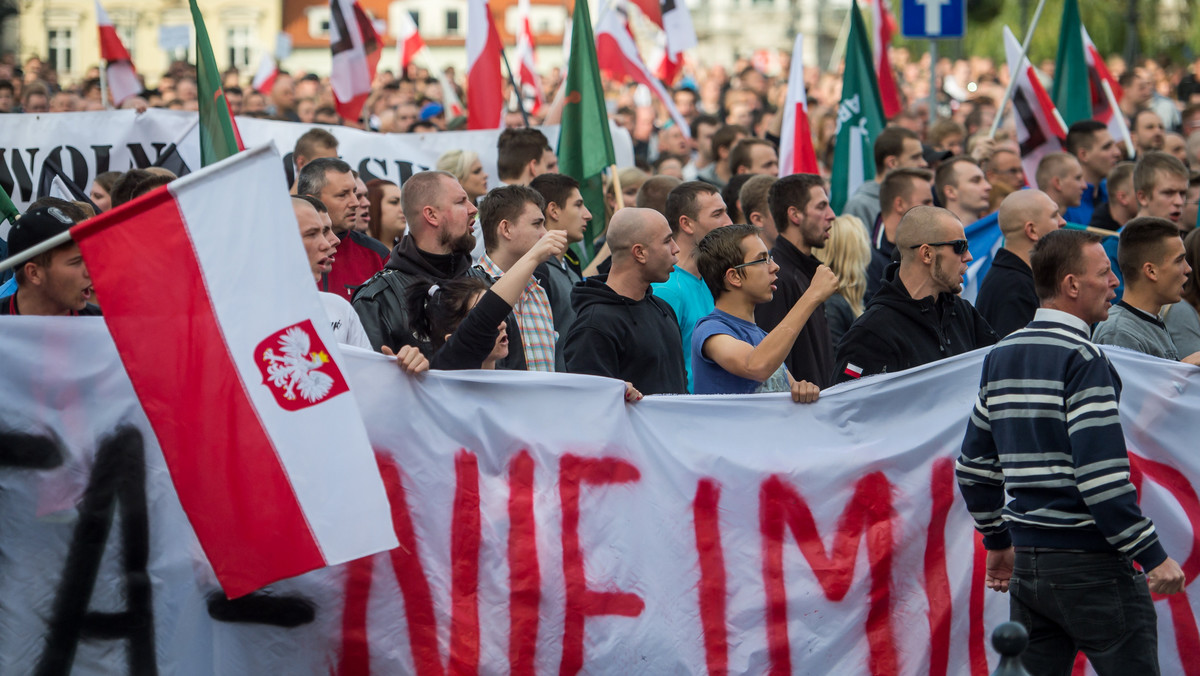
x,y
8,288
1087,204
691,300
710,377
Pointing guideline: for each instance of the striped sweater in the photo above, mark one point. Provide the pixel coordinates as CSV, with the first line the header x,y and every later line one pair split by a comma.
x,y
1046,429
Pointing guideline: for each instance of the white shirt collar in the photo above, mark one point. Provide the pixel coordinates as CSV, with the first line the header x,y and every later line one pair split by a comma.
x,y
1045,314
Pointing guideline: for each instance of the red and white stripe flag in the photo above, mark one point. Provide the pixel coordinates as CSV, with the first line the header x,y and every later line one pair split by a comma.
x,y
264,78
1040,129
355,46
796,152
619,59
883,27
122,77
260,432
485,83
1106,92
408,39
531,84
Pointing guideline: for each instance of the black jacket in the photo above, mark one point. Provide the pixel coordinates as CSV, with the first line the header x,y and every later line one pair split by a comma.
x,y
382,303
897,332
633,340
811,357
1102,218
1007,299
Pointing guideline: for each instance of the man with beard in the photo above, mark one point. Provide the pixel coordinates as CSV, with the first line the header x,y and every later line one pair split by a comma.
x,y
800,208
359,256
917,316
438,247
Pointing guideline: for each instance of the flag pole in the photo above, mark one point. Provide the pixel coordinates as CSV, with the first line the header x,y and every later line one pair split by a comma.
x,y
1012,77
617,192
516,90
104,83
839,47
1116,110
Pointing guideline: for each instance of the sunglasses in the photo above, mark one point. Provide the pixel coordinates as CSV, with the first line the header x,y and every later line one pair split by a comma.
x,y
960,245
756,261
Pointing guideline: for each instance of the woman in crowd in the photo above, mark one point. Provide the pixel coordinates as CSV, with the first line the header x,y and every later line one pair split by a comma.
x,y
631,179
467,168
1183,318
847,253
102,188
387,223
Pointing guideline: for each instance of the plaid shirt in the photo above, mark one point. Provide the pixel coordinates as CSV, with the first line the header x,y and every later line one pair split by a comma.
x,y
535,320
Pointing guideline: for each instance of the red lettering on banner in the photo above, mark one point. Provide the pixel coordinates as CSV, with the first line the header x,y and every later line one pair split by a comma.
x,y
706,518
976,651
1187,634
868,515
414,586
937,581
581,601
524,577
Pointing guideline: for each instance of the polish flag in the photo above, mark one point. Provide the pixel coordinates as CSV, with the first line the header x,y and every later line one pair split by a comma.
x,y
1040,129
618,59
796,153
261,434
355,46
530,82
268,70
409,39
120,73
485,84
883,26
1106,92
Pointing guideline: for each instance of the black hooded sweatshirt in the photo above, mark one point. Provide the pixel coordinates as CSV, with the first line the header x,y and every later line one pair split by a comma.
x,y
632,340
897,332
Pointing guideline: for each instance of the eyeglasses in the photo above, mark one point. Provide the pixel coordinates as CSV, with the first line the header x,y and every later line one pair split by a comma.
x,y
960,245
756,261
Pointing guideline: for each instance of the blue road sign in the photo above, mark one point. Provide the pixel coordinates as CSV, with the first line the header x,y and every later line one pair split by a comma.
x,y
933,18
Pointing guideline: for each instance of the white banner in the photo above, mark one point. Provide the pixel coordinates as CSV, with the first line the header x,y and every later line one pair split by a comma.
x,y
545,526
86,144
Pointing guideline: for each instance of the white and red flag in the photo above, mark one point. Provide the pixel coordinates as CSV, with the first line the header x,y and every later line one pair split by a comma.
x,y
1106,92
121,75
355,47
232,358
264,78
883,27
531,84
1040,129
618,58
485,82
796,152
408,40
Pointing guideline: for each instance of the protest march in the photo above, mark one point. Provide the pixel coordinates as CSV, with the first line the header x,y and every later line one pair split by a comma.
x,y
637,365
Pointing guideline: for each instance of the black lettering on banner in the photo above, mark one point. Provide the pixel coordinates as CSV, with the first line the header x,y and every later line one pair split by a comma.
x,y
1025,110
103,157
79,167
118,481
30,451
262,608
289,168
20,176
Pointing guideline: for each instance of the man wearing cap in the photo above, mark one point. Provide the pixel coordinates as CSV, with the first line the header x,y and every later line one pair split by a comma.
x,y
434,112
54,282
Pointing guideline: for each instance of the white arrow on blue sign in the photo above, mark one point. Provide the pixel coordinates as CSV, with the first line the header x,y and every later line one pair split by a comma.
x,y
933,18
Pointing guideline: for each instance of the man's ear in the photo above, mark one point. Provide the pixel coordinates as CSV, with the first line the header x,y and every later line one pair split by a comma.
x,y
733,279
638,252
1031,231
553,211
430,213
504,229
685,225
1142,198
1150,271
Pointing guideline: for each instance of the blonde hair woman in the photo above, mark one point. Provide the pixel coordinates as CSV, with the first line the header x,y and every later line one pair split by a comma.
x,y
467,168
847,253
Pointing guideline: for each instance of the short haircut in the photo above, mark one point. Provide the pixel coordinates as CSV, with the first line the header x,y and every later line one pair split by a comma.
x,y
71,210
1057,254
505,203
1148,167
316,203
719,251
899,183
1191,248
730,195
791,191
1120,175
312,179
421,190
1052,165
710,120
726,136
1143,240
753,195
125,187
1133,121
740,155
947,175
682,201
654,191
516,148
308,142
943,129
890,143
554,188
1082,135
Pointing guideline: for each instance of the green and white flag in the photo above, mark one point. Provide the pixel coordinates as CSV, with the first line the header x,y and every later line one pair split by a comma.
x,y
860,116
1072,93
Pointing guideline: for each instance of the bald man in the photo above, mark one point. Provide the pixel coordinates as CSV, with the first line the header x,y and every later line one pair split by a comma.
x,y
621,329
917,315
1007,299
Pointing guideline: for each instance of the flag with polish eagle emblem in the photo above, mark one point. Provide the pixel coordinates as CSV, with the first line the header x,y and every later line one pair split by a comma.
x,y
356,47
261,435
122,76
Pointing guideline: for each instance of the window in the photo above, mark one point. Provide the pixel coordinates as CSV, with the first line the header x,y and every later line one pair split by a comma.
x,y
416,17
452,22
318,21
60,49
239,41
126,32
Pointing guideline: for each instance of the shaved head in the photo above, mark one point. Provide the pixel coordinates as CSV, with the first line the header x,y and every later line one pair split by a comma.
x,y
1021,207
632,225
922,225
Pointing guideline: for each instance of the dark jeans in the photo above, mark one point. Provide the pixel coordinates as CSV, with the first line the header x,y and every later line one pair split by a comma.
x,y
1090,601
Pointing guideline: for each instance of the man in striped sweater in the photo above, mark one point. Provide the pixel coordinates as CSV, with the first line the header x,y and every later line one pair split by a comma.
x,y
1046,429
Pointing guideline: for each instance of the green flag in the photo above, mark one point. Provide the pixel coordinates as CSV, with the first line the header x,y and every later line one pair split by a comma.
x,y
585,147
8,210
1072,92
218,132
860,116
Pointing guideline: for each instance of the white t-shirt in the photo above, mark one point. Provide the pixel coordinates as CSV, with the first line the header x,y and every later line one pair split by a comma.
x,y
344,321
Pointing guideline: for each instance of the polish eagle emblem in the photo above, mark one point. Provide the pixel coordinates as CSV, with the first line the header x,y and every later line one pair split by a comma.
x,y
298,368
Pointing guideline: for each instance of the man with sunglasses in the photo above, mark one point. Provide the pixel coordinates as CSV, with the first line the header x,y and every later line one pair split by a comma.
x,y
917,315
